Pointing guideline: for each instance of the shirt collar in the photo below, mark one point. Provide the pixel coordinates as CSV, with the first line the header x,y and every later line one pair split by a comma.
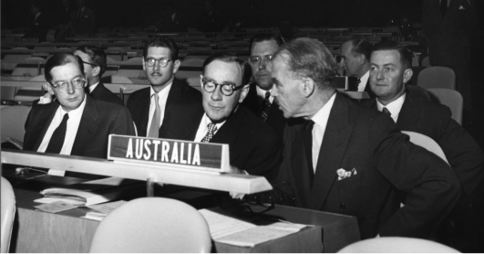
x,y
166,89
76,112
206,120
262,93
394,107
321,117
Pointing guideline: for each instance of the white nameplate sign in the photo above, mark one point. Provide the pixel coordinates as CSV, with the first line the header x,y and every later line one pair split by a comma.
x,y
179,153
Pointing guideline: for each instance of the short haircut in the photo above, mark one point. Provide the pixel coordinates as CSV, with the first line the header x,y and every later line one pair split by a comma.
x,y
228,58
97,55
309,58
164,42
59,60
265,37
405,53
360,46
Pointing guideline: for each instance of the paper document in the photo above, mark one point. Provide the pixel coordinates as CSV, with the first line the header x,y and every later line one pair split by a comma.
x,y
221,225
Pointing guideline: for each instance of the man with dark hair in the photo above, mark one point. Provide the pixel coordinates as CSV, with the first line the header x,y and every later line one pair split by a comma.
x,y
169,104
412,110
259,99
343,158
355,55
253,146
75,124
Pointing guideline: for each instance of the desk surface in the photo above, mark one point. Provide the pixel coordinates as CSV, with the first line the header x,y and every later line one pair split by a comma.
x,y
37,231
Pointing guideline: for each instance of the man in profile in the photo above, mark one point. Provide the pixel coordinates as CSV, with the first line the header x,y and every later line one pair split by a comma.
x,y
411,109
259,99
75,124
254,147
169,104
340,157
355,58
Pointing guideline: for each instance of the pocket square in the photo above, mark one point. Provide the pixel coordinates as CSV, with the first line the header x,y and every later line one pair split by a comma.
x,y
461,8
343,173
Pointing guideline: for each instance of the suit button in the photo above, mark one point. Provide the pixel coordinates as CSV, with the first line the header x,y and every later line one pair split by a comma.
x,y
342,206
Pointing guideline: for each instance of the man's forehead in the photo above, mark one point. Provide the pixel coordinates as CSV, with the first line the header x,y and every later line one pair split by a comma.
x,y
385,57
68,69
226,71
266,45
158,50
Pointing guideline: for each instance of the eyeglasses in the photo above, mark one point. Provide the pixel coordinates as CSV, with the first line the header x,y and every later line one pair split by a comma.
x,y
227,89
259,203
77,83
162,62
90,64
256,59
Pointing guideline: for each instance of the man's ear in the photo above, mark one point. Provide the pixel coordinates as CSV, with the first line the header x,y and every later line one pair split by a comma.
x,y
362,59
96,71
244,93
407,75
143,61
176,65
308,86
47,87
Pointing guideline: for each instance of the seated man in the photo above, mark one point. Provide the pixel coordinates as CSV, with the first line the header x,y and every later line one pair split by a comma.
x,y
355,58
412,110
75,124
348,159
254,146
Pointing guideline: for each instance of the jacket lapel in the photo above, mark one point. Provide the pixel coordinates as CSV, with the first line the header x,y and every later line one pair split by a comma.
x,y
87,127
228,133
44,123
300,165
336,138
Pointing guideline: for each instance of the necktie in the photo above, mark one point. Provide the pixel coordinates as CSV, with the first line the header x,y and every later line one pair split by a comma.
x,y
443,7
155,120
266,106
57,140
386,111
212,128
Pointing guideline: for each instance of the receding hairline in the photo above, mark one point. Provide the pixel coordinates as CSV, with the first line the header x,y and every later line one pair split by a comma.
x,y
227,61
259,42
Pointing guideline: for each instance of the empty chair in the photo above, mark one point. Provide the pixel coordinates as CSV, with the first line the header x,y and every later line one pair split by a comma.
x,y
194,82
397,245
34,60
16,58
193,61
427,143
426,62
133,61
152,225
7,213
452,99
436,77
30,93
13,121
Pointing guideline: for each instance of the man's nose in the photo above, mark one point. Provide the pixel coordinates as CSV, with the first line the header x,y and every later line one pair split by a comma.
x,y
70,88
217,94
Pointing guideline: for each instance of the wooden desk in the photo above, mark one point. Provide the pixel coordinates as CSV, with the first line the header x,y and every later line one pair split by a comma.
x,y
37,231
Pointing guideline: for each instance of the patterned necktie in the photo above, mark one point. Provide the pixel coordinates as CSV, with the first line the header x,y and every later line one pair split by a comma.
x,y
266,106
386,111
443,7
57,140
212,128
155,121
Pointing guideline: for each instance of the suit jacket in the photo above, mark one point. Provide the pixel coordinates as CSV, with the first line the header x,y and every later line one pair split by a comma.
x,y
182,105
420,114
98,120
275,119
103,94
370,143
85,24
38,29
253,146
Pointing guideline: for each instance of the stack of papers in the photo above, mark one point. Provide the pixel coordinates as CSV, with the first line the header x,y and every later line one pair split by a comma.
x,y
102,210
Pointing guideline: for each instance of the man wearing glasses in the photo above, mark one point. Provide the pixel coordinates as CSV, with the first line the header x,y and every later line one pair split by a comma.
x,y
75,124
168,106
254,146
259,98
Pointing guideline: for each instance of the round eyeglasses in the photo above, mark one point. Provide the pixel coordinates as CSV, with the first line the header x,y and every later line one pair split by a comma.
x,y
90,64
256,59
77,83
162,62
227,89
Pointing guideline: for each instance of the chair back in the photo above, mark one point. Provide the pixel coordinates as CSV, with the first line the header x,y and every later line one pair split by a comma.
x,y
397,245
427,143
195,83
13,121
7,215
452,99
436,77
425,62
152,225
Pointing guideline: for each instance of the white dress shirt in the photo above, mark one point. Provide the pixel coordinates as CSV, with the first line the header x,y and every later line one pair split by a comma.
x,y
162,97
320,120
363,81
394,107
262,93
203,128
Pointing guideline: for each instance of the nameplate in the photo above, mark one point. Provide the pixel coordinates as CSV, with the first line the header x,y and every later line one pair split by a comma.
x,y
169,152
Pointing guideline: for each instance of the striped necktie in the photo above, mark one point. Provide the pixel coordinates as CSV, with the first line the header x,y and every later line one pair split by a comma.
x,y
266,106
212,128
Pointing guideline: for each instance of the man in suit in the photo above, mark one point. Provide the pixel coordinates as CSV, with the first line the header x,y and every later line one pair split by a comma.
x,y
94,65
39,25
413,110
340,157
172,20
355,55
450,27
76,124
169,104
254,148
259,99
83,20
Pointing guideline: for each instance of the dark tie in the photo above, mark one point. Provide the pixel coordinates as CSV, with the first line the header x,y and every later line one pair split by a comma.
x,y
386,111
57,140
266,106
212,128
443,7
